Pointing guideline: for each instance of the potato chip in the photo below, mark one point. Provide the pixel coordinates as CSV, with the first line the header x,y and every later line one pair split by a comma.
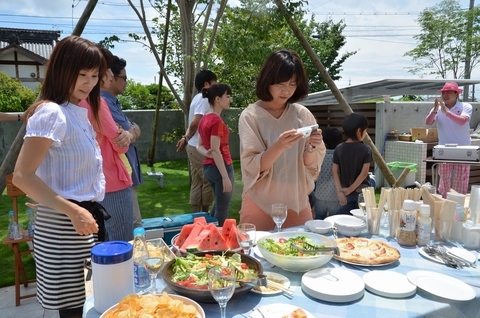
x,y
151,306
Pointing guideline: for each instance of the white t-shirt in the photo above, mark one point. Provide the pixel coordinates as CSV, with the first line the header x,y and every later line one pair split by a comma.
x,y
450,132
199,106
72,166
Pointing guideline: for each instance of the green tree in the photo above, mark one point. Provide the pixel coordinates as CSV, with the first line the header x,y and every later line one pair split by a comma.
x,y
139,96
247,34
442,44
14,97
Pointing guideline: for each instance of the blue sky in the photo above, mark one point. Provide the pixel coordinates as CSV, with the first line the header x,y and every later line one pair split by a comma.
x,y
380,30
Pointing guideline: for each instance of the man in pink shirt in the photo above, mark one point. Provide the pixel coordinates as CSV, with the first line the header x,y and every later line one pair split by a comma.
x,y
453,128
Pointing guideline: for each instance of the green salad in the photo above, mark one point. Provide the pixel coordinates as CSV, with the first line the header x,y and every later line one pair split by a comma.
x,y
284,246
191,270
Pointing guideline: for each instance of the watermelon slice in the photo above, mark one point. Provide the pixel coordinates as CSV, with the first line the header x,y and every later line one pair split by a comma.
x,y
196,230
209,239
184,233
232,240
200,220
230,225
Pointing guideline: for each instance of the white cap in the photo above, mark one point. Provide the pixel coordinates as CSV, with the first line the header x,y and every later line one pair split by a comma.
x,y
418,204
409,205
425,209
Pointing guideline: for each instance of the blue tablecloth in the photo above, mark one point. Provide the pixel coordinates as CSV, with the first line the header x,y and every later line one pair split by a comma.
x,y
422,304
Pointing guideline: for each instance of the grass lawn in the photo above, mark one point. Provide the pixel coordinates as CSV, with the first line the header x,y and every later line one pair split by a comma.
x,y
154,202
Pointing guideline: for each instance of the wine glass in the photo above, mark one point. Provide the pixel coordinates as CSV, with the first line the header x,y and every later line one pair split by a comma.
x,y
385,216
154,261
246,236
279,214
221,283
361,203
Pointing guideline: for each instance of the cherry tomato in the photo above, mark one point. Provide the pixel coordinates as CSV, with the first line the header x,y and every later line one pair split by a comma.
x,y
208,255
282,240
244,266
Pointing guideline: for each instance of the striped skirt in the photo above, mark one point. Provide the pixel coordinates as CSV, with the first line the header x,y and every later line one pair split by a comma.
x,y
60,253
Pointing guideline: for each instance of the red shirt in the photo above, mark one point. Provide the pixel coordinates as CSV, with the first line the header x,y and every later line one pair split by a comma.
x,y
212,125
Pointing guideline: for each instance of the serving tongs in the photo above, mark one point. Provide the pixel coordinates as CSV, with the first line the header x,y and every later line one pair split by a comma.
x,y
262,280
312,249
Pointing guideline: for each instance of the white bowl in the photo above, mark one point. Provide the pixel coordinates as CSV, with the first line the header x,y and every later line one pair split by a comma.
x,y
349,225
319,226
297,263
358,214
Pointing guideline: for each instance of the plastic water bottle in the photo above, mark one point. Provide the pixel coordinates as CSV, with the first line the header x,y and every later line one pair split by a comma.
x,y
140,273
31,223
12,226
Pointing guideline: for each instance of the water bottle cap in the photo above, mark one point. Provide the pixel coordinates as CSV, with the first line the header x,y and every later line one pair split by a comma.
x,y
425,209
10,212
30,211
139,231
112,252
409,205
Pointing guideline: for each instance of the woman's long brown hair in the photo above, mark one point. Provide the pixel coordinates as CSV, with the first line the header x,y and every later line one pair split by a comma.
x,y
70,56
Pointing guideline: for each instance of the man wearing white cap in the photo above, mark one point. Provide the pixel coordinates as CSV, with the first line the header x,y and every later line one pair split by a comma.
x,y
453,128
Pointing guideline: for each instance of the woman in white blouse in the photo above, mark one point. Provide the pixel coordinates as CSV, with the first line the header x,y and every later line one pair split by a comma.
x,y
60,167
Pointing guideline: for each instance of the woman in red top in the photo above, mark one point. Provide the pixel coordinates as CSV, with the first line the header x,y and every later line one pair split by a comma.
x,y
213,144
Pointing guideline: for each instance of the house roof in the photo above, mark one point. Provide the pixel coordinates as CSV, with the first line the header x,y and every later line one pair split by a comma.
x,y
379,89
39,42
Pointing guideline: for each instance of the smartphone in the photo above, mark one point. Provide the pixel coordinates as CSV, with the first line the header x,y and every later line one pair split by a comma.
x,y
307,130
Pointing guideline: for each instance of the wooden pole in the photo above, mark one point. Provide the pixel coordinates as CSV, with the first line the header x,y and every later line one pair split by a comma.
x,y
9,163
336,92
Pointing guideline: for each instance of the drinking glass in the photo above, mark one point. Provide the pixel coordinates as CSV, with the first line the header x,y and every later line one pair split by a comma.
x,y
279,214
154,261
221,283
361,203
246,236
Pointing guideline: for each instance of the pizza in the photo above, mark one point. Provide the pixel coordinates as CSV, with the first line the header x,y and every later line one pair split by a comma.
x,y
365,251
298,313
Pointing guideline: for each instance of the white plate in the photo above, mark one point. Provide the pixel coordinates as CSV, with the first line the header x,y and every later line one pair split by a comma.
x,y
365,265
460,252
333,284
389,284
257,251
358,214
277,310
279,278
353,232
332,218
441,285
185,300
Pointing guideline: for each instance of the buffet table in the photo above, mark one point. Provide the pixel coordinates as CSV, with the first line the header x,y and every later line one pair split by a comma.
x,y
421,304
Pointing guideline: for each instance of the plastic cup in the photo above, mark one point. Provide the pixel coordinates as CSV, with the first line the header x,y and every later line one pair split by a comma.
x,y
19,233
443,230
393,221
373,220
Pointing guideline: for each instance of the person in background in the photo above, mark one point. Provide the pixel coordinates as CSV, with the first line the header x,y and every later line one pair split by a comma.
x,y
10,117
60,167
325,192
351,162
278,165
213,145
201,194
109,94
114,144
453,128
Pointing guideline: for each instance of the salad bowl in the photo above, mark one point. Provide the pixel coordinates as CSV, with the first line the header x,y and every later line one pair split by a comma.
x,y
203,295
290,259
